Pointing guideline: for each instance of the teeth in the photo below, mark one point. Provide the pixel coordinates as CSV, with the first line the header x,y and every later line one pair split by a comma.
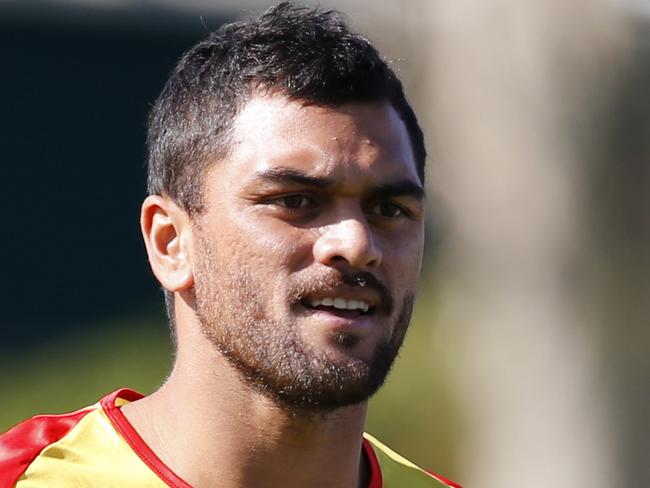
x,y
340,303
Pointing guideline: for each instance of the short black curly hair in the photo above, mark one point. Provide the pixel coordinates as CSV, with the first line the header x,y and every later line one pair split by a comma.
x,y
306,54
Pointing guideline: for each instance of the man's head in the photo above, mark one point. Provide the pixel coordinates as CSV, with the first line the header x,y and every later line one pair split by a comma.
x,y
303,54
290,148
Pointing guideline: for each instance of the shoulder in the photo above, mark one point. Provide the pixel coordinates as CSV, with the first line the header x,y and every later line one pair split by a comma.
x,y
81,448
21,445
397,471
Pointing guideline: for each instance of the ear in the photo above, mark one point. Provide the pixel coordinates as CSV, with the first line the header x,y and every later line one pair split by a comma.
x,y
167,234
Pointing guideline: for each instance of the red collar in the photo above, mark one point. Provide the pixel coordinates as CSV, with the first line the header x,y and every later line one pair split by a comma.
x,y
130,435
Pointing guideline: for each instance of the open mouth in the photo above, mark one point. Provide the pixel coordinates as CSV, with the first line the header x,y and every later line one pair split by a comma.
x,y
341,307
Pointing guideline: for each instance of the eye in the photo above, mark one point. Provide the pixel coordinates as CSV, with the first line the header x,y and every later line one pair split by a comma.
x,y
295,201
387,209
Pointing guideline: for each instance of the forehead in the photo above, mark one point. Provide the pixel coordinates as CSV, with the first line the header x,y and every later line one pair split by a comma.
x,y
359,142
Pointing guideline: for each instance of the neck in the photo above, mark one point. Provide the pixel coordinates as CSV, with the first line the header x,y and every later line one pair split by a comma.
x,y
213,430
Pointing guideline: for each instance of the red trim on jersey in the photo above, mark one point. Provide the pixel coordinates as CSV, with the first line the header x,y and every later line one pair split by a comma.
x,y
139,446
124,427
376,480
444,480
22,444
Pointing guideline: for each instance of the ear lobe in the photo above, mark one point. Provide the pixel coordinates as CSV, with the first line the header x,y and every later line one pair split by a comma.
x,y
167,233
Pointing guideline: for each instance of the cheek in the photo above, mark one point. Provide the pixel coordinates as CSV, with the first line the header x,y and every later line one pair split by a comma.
x,y
276,246
402,258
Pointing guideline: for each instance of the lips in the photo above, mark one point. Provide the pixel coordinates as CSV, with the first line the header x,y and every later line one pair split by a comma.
x,y
339,303
346,295
337,315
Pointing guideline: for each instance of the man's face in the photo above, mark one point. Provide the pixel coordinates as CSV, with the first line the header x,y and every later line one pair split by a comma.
x,y
307,256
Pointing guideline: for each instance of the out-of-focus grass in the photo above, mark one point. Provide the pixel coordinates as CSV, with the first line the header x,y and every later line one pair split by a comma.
x,y
413,413
77,369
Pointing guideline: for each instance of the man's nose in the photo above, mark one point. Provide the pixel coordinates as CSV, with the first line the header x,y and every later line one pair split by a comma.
x,y
348,241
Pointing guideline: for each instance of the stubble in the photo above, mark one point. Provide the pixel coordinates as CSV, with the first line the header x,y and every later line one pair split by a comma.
x,y
270,355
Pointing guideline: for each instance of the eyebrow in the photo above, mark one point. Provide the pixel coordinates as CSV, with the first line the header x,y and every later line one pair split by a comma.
x,y
290,175
404,187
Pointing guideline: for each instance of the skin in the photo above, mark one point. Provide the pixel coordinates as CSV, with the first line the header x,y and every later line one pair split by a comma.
x,y
307,196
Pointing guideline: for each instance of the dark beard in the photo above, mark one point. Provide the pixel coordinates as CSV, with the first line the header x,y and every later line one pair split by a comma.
x,y
271,357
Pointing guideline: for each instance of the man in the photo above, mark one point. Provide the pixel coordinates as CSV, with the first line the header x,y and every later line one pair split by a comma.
x,y
285,223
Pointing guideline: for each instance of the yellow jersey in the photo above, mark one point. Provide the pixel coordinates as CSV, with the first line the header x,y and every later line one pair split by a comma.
x,y
98,447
